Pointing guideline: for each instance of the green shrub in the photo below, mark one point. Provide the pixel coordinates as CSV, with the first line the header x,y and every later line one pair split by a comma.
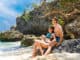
x,y
26,16
61,22
35,5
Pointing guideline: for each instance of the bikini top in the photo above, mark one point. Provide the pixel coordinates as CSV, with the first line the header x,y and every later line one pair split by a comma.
x,y
49,35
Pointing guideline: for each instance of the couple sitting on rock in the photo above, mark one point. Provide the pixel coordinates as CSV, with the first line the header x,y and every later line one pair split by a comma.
x,y
53,38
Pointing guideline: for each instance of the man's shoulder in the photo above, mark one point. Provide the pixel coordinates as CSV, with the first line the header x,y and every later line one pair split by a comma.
x,y
59,26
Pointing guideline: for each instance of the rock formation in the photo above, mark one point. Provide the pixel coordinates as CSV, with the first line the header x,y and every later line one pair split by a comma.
x,y
38,20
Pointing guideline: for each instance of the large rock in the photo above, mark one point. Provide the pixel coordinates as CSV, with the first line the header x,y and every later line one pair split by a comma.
x,y
38,20
73,28
28,40
36,23
71,46
34,26
11,36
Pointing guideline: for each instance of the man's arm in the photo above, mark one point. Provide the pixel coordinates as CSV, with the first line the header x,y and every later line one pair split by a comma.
x,y
54,38
61,36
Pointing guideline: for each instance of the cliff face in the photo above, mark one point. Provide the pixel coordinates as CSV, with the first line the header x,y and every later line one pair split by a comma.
x,y
37,21
32,22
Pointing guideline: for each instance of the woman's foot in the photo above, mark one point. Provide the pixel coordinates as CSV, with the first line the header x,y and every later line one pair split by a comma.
x,y
48,51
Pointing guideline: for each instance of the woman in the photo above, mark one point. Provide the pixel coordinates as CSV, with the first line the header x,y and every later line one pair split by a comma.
x,y
44,42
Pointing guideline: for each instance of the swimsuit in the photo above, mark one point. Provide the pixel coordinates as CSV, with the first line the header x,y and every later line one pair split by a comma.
x,y
57,39
49,36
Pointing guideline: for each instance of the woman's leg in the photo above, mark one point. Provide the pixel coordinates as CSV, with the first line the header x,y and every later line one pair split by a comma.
x,y
48,50
52,44
34,49
37,45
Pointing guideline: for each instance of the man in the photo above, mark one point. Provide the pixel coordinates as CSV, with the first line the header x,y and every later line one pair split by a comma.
x,y
58,34
58,31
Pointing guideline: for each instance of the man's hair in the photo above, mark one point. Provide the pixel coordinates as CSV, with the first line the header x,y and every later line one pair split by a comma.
x,y
55,18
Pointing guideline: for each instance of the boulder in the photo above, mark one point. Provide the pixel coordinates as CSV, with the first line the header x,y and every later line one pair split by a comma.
x,y
73,28
10,36
28,40
71,46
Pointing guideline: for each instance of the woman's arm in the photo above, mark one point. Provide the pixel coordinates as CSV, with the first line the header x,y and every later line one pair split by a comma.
x,y
54,38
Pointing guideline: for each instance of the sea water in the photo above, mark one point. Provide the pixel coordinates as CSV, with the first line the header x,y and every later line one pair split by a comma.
x,y
13,51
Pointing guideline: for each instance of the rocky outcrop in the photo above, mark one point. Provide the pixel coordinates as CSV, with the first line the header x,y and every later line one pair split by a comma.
x,y
71,46
11,36
73,28
38,20
35,26
28,40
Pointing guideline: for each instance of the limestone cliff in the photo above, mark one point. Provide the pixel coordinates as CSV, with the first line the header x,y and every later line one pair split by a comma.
x,y
38,20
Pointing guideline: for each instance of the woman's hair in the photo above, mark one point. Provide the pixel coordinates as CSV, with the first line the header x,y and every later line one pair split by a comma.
x,y
51,27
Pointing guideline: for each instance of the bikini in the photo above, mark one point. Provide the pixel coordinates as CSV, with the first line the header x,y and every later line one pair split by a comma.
x,y
49,36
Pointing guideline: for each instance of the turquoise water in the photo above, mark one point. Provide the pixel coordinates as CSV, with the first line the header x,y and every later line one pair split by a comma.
x,y
7,46
13,51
